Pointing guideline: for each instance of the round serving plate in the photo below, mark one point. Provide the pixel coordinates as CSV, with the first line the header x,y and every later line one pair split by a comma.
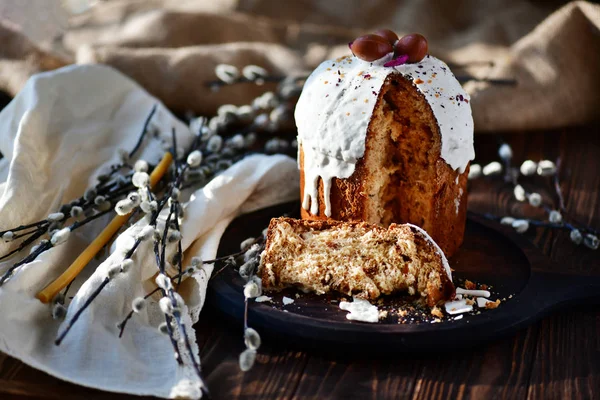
x,y
491,254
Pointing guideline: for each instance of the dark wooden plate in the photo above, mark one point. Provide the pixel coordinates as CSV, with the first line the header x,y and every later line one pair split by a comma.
x,y
491,254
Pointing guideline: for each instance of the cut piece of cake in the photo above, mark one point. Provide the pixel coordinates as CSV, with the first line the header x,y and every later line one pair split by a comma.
x,y
386,145
354,258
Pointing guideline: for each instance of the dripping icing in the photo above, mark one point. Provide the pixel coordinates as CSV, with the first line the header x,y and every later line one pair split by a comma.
x,y
336,105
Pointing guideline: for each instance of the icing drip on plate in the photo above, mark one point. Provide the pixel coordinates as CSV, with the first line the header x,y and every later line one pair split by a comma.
x,y
336,105
360,310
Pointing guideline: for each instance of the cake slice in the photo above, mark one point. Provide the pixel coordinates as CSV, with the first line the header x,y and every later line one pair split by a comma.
x,y
354,258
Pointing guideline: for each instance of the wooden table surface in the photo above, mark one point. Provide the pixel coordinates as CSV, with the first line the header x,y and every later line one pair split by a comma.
x,y
558,357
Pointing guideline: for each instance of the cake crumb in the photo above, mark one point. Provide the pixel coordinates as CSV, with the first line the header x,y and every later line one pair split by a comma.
x,y
383,314
470,302
436,312
286,300
492,304
262,299
470,285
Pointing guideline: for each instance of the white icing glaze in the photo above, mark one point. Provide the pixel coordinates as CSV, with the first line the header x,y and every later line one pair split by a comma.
x,y
287,300
262,299
439,250
457,307
360,310
481,302
471,292
457,200
336,104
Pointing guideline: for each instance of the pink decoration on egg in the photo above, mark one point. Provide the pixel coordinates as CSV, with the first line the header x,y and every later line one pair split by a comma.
x,y
397,61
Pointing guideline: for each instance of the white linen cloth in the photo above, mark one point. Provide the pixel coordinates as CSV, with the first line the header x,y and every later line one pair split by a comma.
x,y
58,134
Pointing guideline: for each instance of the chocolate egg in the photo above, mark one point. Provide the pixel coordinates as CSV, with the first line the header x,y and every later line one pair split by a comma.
x,y
387,34
413,45
370,47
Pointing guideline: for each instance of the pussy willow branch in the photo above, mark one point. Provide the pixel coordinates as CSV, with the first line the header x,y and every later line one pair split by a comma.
x,y
46,245
179,248
85,305
29,258
78,313
112,186
24,244
161,267
258,240
534,222
193,182
105,181
512,175
22,227
144,131
99,289
25,234
170,294
163,252
278,79
561,201
129,315
64,293
168,318
178,181
245,313
42,226
178,174
188,346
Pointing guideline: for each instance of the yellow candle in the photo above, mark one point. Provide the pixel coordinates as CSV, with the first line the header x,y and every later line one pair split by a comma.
x,y
50,291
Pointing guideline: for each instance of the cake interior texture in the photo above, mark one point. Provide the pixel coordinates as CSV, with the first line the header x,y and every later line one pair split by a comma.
x,y
401,177
356,259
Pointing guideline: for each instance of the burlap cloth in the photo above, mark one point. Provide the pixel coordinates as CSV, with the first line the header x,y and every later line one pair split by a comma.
x,y
172,47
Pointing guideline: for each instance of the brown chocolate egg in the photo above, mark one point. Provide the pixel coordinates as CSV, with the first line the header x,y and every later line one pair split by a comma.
x,y
370,47
413,45
387,34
